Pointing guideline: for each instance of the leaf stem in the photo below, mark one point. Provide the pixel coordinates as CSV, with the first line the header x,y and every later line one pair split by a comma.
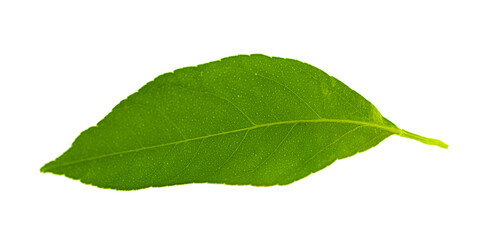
x,y
430,141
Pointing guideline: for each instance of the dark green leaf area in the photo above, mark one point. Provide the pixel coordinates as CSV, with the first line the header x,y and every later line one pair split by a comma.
x,y
243,120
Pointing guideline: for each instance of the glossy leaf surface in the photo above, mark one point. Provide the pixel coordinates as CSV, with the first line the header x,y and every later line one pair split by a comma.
x,y
243,120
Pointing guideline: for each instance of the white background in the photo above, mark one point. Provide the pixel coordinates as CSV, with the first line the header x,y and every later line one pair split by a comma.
x,y
64,65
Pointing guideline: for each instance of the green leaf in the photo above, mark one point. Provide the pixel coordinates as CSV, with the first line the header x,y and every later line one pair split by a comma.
x,y
243,120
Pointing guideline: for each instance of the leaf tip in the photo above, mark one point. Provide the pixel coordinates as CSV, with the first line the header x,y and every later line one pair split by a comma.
x,y
46,168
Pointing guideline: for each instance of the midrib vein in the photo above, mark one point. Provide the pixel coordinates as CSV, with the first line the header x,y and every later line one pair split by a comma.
x,y
321,120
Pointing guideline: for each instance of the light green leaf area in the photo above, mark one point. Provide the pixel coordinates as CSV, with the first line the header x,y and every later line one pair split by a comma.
x,y
243,120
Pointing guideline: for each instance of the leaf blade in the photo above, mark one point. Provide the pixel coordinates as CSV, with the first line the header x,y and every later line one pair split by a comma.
x,y
220,131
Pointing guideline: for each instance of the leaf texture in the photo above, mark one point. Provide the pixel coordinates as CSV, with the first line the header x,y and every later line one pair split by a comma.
x,y
243,120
